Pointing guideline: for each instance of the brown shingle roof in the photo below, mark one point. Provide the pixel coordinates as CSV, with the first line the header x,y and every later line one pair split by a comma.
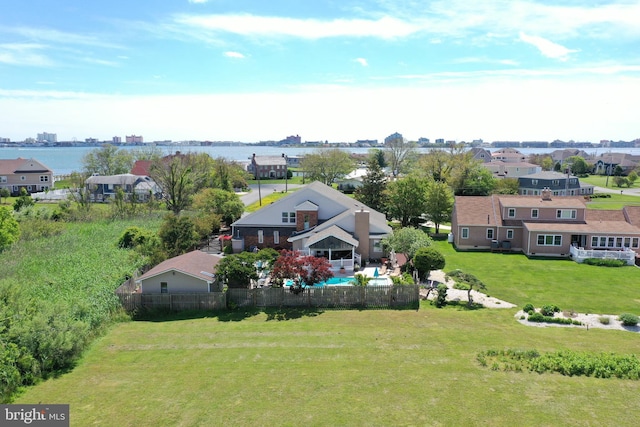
x,y
604,215
195,263
632,214
476,210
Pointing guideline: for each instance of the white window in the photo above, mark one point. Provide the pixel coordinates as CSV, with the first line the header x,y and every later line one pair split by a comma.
x,y
534,213
490,233
44,187
509,234
464,233
549,240
566,214
627,242
44,178
534,182
618,242
634,242
377,247
22,178
260,236
511,213
289,217
594,241
164,288
555,182
276,237
3,179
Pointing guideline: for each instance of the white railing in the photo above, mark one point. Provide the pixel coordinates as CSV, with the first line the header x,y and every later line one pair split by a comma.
x,y
626,254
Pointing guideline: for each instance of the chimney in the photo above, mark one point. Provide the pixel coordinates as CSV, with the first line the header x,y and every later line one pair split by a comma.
x,y
362,232
546,194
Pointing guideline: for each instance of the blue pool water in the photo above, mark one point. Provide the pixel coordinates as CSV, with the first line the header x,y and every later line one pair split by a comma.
x,y
340,281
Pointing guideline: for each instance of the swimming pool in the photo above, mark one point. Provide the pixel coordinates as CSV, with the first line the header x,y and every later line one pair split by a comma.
x,y
343,281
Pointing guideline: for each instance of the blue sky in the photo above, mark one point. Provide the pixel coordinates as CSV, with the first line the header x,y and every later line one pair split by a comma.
x,y
337,70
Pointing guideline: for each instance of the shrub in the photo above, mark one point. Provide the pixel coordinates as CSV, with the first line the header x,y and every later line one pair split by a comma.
x,y
604,320
629,319
605,262
441,297
528,307
549,310
536,317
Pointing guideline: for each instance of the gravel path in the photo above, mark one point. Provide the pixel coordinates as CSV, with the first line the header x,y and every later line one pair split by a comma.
x,y
460,295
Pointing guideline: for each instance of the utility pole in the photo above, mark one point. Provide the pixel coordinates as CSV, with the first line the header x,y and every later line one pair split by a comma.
x,y
286,172
257,175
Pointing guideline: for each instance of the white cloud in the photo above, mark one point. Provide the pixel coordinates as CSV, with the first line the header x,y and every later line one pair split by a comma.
x,y
24,54
61,37
547,47
198,1
231,54
251,25
362,61
498,107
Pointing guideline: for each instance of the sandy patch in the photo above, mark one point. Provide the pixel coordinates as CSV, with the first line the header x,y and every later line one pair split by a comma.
x,y
589,321
462,296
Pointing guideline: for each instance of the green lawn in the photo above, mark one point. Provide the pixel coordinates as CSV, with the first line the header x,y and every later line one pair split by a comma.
x,y
602,181
520,280
343,367
616,201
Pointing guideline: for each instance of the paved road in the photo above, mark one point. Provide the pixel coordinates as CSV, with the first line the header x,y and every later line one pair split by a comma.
x,y
265,189
627,191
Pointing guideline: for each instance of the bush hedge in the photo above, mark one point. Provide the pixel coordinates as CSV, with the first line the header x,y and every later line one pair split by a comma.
x,y
602,262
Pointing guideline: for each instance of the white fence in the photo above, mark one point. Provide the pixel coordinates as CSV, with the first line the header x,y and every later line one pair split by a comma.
x,y
579,255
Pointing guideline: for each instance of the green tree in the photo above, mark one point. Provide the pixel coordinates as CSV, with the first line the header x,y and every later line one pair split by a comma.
x,y
439,204
506,186
360,280
467,279
9,228
632,178
378,155
426,260
327,165
405,199
371,193
107,160
238,270
441,296
407,241
228,175
180,176
4,192
578,165
178,235
470,178
23,201
221,202
400,154
436,165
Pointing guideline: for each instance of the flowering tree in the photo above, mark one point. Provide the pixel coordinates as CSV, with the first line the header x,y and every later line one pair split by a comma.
x,y
307,270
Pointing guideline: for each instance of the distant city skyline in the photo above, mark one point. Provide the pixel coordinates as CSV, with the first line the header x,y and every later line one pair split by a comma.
x,y
249,70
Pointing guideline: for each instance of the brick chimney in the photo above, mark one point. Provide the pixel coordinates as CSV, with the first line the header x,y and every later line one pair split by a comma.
x,y
546,194
362,232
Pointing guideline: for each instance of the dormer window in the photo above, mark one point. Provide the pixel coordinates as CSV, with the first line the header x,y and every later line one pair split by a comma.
x,y
511,212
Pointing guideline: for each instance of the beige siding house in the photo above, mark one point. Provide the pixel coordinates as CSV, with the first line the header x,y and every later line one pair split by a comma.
x,y
30,174
193,272
544,226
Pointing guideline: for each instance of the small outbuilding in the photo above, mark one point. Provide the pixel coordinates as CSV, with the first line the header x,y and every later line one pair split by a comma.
x,y
193,272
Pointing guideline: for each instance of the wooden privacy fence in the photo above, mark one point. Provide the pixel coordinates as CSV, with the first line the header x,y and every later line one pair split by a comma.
x,y
327,297
173,302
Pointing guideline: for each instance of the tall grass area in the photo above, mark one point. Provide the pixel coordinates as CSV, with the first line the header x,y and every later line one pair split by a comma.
x,y
56,293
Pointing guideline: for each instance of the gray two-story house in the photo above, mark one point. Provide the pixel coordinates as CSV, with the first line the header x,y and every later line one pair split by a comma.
x,y
559,184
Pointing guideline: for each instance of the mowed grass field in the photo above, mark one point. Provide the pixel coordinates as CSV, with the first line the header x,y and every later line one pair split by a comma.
x,y
350,367
337,368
